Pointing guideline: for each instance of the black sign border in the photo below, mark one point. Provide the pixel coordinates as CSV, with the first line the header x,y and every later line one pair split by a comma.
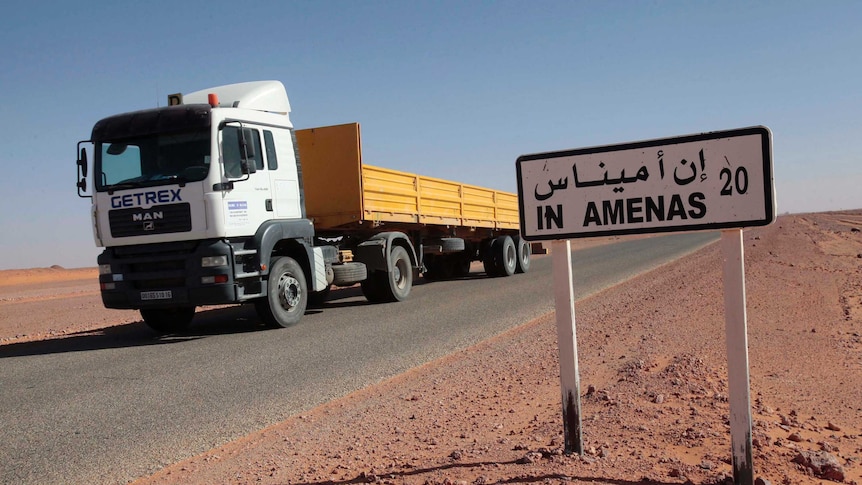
x,y
769,193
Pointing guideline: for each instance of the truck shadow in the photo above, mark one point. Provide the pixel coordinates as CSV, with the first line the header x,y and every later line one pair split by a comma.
x,y
208,322
119,336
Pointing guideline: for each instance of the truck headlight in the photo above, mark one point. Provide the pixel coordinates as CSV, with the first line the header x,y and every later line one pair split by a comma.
x,y
213,261
104,269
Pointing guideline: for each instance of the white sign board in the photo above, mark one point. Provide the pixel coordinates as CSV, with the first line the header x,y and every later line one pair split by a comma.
x,y
714,180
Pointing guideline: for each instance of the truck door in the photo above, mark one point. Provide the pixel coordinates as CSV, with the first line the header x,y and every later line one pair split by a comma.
x,y
249,203
282,165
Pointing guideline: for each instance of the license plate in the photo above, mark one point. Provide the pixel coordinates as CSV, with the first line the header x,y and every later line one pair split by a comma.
x,y
156,295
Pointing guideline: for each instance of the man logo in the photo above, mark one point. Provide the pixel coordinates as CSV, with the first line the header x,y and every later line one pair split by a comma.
x,y
148,216
149,226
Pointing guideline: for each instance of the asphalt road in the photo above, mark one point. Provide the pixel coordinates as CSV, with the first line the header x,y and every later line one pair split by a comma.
x,y
110,407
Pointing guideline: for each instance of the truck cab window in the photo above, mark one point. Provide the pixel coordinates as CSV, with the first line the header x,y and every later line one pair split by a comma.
x,y
157,159
271,158
120,162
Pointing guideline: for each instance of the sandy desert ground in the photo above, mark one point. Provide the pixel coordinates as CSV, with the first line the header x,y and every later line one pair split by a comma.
x,y
653,376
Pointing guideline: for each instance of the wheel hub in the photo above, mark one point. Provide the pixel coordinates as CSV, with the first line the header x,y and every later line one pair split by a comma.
x,y
510,256
288,292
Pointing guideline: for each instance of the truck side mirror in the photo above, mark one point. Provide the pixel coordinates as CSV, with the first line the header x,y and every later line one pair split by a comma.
x,y
82,162
82,170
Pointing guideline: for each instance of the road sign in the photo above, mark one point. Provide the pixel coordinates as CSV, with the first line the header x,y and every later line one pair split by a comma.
x,y
714,180
719,180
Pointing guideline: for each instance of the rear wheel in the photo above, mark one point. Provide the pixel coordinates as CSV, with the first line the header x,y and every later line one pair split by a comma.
x,y
395,285
524,252
505,256
286,294
168,320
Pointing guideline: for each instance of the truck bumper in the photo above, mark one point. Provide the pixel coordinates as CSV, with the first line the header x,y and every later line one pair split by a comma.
x,y
166,275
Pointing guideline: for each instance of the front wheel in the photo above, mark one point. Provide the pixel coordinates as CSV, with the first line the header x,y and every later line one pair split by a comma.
x,y
168,320
286,294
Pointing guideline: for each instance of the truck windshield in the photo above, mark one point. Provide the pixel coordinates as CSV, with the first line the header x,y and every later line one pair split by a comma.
x,y
152,160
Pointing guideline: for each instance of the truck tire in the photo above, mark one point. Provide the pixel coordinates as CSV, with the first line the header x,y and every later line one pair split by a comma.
x,y
382,286
286,294
505,256
168,320
348,273
524,253
452,244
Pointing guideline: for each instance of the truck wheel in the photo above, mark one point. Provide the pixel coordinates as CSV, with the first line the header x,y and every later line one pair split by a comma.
x,y
505,256
348,273
400,280
382,286
524,253
168,320
286,294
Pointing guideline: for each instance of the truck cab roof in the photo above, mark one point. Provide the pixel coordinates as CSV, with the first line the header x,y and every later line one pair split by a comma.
x,y
269,96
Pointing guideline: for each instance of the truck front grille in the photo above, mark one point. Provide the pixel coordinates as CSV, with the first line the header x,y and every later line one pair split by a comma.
x,y
159,219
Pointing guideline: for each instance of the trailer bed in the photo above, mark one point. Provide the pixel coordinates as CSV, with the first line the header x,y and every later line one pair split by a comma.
x,y
342,192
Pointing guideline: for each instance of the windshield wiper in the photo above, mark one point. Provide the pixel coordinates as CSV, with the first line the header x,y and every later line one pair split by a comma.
x,y
180,180
147,181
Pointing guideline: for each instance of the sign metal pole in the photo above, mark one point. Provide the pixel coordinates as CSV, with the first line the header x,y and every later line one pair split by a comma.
x,y
564,302
737,356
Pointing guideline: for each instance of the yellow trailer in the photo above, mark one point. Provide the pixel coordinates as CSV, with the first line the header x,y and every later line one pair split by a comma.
x,y
341,191
450,223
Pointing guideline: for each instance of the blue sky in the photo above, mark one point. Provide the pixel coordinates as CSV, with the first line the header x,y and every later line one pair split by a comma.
x,y
455,90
